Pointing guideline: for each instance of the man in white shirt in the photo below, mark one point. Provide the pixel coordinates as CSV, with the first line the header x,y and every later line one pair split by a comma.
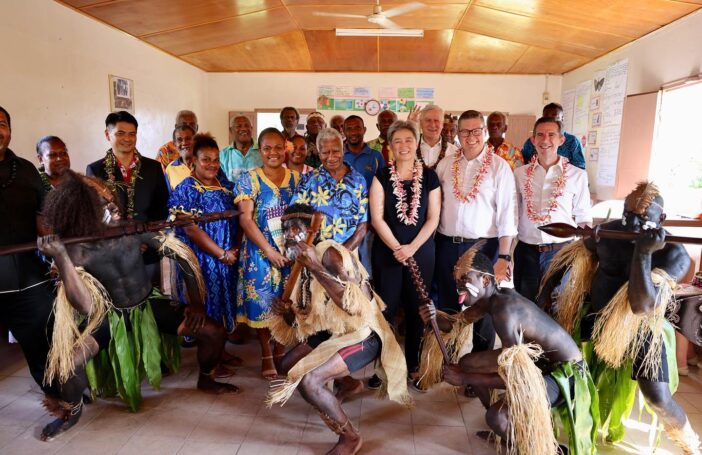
x,y
432,147
479,202
550,190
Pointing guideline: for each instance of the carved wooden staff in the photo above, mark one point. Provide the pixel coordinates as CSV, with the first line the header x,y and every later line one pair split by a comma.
x,y
566,230
315,225
424,298
128,228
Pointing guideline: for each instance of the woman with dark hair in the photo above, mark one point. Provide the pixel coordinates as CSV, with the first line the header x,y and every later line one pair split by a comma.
x,y
405,203
262,195
214,243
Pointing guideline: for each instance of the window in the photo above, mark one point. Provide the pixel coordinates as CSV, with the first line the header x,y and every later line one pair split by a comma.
x,y
676,162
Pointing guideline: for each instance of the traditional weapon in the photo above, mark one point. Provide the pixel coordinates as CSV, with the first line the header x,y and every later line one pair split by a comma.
x,y
315,225
128,228
416,276
566,230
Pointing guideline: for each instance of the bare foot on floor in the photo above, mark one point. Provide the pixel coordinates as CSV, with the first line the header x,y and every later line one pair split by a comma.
x,y
208,385
349,444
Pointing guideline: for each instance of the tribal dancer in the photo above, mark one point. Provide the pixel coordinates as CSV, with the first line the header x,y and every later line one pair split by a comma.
x,y
336,322
106,308
630,286
539,364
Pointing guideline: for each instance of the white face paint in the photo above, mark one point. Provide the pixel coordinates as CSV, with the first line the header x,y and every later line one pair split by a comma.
x,y
649,225
473,290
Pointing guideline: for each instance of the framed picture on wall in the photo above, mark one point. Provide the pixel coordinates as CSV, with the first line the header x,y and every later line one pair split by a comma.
x,y
121,94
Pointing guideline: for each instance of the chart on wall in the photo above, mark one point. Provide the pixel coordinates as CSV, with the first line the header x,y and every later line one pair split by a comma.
x,y
594,109
354,98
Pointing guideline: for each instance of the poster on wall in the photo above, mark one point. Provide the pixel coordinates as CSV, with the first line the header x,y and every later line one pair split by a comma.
x,y
615,92
121,94
568,103
608,155
581,109
354,98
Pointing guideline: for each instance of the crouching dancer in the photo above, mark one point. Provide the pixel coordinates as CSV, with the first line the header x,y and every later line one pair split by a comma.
x,y
336,321
539,365
106,306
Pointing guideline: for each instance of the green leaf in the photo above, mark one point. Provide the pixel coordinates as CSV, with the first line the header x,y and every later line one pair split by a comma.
x,y
150,345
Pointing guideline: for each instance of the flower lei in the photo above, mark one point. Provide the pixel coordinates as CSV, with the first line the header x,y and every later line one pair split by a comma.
x,y
110,161
477,179
398,190
559,186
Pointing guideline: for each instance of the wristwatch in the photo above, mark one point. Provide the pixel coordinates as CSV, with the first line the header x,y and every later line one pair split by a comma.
x,y
506,257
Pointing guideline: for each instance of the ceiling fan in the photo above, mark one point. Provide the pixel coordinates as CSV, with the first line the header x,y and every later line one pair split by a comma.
x,y
379,17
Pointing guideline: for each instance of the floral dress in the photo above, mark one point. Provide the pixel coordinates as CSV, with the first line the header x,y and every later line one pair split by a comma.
x,y
259,281
193,198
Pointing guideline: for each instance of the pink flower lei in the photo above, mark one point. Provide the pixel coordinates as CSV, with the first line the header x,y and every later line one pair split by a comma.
x,y
559,186
477,179
399,191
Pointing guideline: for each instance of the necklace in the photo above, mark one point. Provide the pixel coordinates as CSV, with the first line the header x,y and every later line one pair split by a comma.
x,y
13,175
398,189
469,197
559,186
46,183
110,161
442,153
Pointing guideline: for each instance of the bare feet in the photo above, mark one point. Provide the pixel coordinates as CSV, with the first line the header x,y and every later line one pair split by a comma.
x,y
348,387
223,371
208,385
349,444
268,370
231,360
68,417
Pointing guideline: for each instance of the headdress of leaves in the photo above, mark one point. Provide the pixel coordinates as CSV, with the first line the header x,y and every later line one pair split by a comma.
x,y
465,262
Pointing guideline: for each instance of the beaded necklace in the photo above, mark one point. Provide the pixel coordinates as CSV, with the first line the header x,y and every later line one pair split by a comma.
x,y
110,161
13,175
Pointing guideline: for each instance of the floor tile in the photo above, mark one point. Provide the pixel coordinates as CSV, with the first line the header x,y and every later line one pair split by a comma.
x,y
431,440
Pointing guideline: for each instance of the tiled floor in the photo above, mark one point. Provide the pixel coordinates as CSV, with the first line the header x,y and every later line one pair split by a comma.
x,y
179,419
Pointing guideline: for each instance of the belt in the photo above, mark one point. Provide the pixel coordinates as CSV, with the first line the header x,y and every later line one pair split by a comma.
x,y
456,239
546,247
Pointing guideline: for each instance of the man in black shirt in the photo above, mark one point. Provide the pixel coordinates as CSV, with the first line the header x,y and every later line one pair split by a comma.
x,y
26,292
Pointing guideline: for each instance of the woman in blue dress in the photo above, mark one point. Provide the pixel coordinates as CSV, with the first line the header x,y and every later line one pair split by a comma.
x,y
262,195
213,243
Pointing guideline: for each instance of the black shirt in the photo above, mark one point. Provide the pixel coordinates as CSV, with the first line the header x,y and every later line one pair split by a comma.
x,y
20,202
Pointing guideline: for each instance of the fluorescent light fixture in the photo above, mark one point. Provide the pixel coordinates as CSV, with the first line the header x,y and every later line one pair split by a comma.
x,y
396,32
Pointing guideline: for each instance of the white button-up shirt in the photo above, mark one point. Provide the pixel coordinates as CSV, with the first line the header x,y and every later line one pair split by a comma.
x,y
431,153
573,206
493,213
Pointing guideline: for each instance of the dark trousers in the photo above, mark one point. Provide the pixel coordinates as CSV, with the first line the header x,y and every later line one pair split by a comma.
x,y
529,266
393,283
26,314
447,254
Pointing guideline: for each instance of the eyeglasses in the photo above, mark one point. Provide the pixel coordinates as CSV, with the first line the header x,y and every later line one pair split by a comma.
x,y
477,132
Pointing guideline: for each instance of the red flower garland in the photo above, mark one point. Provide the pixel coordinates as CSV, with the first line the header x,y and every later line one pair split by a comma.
x,y
477,179
557,192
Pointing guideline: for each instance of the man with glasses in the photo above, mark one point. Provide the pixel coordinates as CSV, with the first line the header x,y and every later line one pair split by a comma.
x,y
479,203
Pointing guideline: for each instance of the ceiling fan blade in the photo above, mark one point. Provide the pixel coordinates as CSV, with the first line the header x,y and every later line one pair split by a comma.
x,y
402,9
387,23
353,16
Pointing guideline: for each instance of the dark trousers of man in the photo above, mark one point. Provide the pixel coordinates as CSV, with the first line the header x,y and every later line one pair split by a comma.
x,y
448,251
26,314
530,264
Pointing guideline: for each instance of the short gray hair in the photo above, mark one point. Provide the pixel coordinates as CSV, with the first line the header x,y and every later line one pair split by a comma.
x,y
185,113
429,108
403,125
328,134
501,114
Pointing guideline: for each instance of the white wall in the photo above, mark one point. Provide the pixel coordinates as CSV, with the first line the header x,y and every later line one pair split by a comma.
x,y
670,53
454,92
54,80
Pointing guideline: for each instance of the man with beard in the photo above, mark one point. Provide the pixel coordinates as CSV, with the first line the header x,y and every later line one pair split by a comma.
x,y
243,154
539,365
53,161
380,143
289,118
624,289
335,321
106,308
315,124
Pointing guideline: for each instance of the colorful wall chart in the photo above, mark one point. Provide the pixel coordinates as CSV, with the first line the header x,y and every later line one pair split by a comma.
x,y
350,98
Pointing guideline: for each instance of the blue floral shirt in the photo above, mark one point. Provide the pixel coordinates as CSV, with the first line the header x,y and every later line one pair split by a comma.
x,y
344,204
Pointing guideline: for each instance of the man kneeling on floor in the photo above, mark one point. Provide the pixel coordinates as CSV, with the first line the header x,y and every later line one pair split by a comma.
x,y
539,365
336,321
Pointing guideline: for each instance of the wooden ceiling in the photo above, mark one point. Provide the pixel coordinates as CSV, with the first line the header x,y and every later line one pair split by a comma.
x,y
461,36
